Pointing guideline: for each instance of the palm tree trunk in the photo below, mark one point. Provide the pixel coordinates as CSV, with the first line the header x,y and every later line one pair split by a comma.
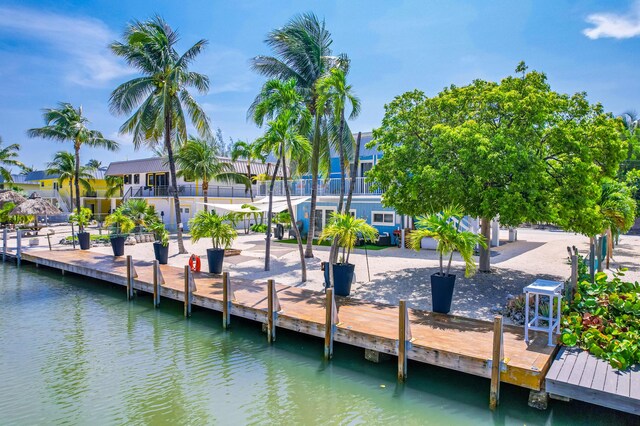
x,y
77,182
250,181
174,180
333,254
354,172
296,231
315,163
71,194
205,191
267,255
485,253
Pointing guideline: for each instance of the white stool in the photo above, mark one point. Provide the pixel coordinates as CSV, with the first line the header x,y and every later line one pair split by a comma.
x,y
551,289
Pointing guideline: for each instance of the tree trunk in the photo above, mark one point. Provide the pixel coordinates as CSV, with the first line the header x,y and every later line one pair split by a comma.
x,y
315,163
77,182
267,254
333,254
354,172
485,253
296,231
250,181
174,180
71,194
205,191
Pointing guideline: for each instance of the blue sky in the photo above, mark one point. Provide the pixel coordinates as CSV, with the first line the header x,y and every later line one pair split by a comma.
x,y
53,51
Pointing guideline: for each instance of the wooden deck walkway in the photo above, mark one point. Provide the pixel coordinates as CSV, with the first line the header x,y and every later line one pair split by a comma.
x,y
461,344
577,374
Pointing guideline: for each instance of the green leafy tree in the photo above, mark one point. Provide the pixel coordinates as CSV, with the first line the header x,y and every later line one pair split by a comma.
x,y
160,98
211,225
246,150
345,229
67,123
515,150
64,166
198,159
8,157
140,212
632,179
303,53
115,185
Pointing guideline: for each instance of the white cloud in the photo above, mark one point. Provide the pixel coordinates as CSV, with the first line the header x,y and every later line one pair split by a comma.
x,y
80,43
228,69
620,26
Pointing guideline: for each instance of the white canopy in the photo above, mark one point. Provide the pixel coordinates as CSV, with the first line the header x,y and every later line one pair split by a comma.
x,y
262,205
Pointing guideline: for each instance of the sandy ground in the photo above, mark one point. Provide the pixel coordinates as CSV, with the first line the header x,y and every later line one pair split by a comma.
x,y
392,274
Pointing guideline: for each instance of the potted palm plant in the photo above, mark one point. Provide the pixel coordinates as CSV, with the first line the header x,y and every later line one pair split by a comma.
x,y
161,245
82,220
121,225
445,229
345,229
221,231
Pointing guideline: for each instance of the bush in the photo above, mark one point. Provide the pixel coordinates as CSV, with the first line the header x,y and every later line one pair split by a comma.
x,y
604,318
259,228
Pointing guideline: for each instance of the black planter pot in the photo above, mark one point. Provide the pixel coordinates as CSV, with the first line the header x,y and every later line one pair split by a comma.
x,y
85,240
442,292
117,244
215,258
161,252
342,278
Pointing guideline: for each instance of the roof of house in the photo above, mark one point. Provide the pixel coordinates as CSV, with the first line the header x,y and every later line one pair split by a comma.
x,y
18,179
37,175
159,165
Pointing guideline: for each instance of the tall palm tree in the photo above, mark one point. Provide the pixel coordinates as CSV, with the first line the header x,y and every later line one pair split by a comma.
x,y
8,157
115,184
64,166
303,53
246,150
94,164
275,98
283,136
197,159
159,99
66,123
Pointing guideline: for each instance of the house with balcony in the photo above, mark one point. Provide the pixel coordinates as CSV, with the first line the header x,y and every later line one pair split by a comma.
x,y
149,178
20,182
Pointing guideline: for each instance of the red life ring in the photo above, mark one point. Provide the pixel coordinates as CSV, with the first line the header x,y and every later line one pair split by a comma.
x,y
194,267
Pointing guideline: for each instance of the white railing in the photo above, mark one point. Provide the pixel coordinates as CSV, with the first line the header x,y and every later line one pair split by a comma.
x,y
302,187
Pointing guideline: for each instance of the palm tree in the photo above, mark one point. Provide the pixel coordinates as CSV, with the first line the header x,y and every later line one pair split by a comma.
x,y
8,156
66,123
303,49
64,166
276,97
284,138
141,213
197,159
160,97
94,164
115,184
246,150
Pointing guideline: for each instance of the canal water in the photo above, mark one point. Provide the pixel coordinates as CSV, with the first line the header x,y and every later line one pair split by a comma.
x,y
74,351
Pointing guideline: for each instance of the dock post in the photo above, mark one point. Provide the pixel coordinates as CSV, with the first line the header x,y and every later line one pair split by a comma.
x,y
4,244
271,329
329,324
187,291
403,327
496,360
19,248
158,280
129,277
226,303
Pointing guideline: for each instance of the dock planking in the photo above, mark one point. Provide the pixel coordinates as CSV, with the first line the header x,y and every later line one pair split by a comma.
x,y
458,343
577,374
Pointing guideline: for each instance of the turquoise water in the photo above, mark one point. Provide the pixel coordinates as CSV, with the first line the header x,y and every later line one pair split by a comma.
x,y
74,351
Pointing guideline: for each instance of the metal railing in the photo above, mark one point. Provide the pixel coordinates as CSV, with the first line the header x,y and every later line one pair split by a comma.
x,y
188,191
302,187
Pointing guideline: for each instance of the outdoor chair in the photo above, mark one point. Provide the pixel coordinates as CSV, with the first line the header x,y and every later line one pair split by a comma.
x,y
384,239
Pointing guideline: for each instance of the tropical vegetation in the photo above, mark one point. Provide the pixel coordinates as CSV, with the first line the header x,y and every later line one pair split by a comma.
x,y
8,158
211,225
159,100
247,150
63,165
119,223
346,229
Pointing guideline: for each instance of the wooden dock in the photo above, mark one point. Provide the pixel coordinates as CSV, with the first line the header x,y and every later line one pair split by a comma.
x,y
576,374
462,344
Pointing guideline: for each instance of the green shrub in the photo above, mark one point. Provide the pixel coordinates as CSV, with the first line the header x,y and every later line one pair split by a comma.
x,y
604,318
259,228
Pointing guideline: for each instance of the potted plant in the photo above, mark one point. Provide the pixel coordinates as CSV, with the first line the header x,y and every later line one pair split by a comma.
x,y
444,228
161,245
345,229
121,225
82,220
221,231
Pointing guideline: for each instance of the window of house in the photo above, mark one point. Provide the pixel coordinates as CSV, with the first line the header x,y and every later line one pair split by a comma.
x,y
383,218
150,179
42,184
127,179
136,179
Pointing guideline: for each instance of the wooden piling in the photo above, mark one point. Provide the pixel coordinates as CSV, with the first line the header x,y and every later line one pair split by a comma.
x,y
329,325
129,278
402,341
226,316
187,291
4,244
19,248
496,360
271,329
158,280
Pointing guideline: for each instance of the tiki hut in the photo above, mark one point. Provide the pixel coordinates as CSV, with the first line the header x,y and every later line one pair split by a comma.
x,y
35,206
8,196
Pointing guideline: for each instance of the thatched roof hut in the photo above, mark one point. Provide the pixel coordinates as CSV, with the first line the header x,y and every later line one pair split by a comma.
x,y
8,196
35,206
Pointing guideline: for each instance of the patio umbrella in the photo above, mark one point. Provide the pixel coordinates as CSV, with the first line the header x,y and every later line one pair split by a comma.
x,y
8,196
36,206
